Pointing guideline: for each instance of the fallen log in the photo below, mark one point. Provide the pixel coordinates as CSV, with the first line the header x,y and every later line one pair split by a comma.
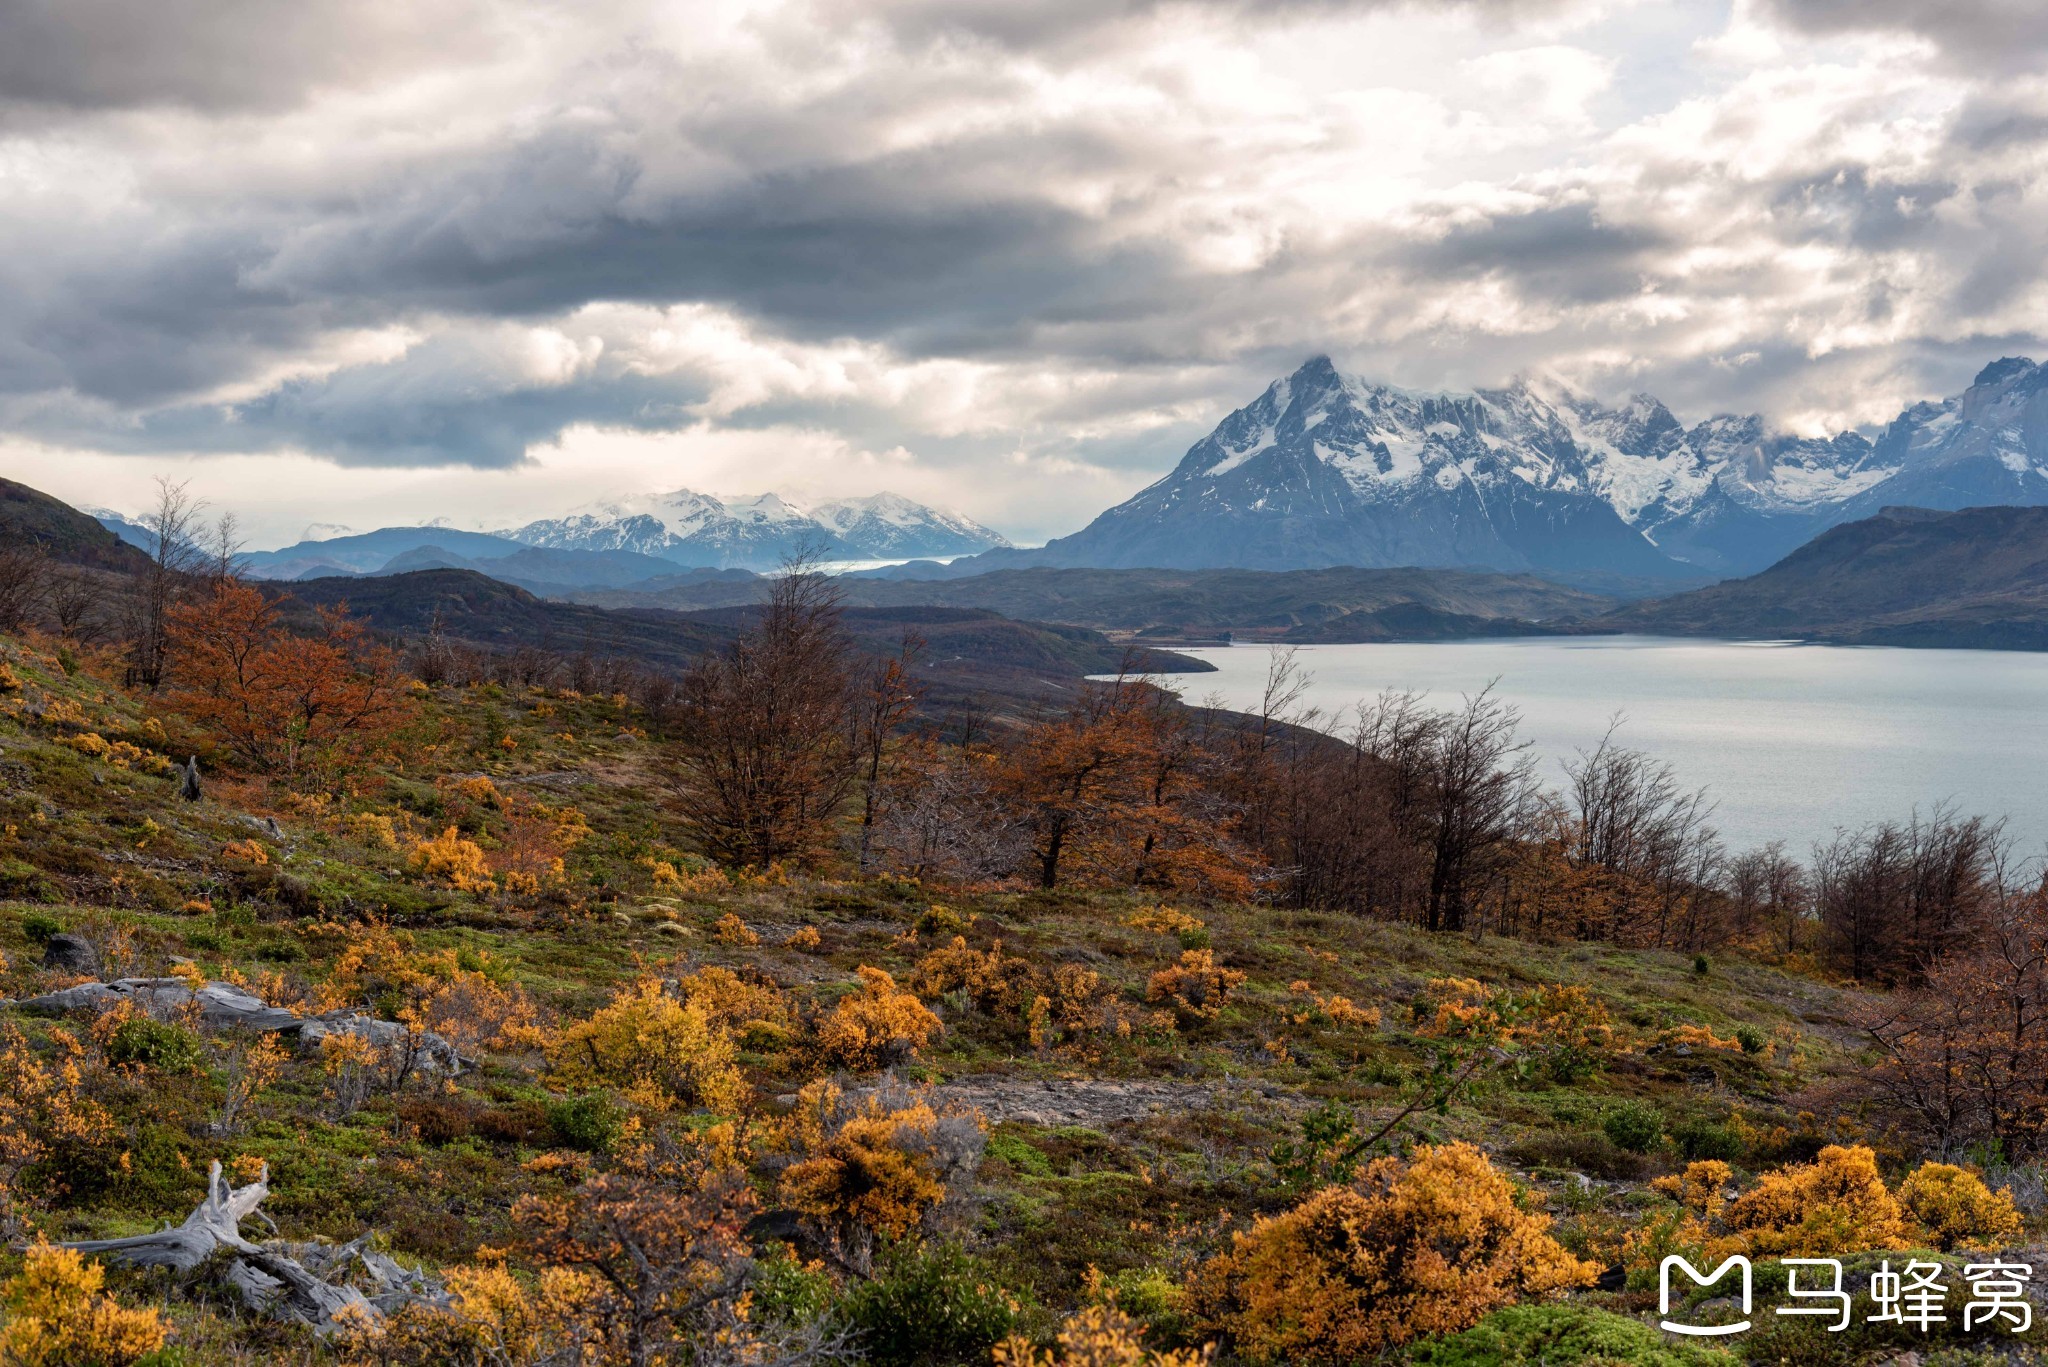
x,y
310,1284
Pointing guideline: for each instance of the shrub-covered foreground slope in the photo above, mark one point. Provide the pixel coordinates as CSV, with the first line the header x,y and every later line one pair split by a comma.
x,y
863,1119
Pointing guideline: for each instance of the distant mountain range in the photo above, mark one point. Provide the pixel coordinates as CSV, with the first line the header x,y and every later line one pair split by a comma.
x,y
623,541
1904,576
1977,578
759,532
1330,469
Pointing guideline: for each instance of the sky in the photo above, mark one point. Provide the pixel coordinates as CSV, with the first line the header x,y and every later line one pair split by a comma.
x,y
372,262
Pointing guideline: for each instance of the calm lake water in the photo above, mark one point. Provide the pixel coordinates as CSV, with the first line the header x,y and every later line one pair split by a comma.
x,y
1791,741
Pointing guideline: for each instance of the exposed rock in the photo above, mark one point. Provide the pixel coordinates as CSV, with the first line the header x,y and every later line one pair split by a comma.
x,y
1093,1102
68,953
223,1006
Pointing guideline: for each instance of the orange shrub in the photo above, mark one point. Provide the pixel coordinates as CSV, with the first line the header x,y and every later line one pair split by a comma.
x,y
992,982
1700,1188
731,930
1099,1336
491,1317
1409,1250
245,852
451,860
661,1053
877,1027
873,1168
1164,920
1834,1205
1196,986
57,1316
1958,1211
1701,1037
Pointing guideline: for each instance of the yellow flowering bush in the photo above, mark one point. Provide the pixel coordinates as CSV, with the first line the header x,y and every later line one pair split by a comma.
x,y
58,1316
1957,1210
1409,1250
877,1027
659,1052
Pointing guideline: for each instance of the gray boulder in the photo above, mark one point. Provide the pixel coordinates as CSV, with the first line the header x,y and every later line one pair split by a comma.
x,y
68,953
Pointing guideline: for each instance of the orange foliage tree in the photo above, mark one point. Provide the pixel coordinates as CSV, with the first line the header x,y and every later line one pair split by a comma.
x,y
282,702
1113,792
667,1260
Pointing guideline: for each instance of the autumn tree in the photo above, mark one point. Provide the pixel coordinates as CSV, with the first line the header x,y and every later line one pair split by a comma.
x,y
762,727
670,1260
281,701
1071,776
1119,789
1964,1053
25,582
1627,818
1769,897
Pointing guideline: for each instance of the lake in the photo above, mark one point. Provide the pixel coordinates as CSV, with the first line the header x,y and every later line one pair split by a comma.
x,y
1791,741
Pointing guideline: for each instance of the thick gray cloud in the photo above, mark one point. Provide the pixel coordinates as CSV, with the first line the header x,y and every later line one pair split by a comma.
x,y
218,54
2004,34
981,237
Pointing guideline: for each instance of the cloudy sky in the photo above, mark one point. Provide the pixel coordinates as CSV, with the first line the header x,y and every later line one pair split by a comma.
x,y
373,261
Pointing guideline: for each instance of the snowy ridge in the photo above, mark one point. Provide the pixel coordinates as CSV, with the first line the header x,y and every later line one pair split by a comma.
x,y
758,531
1329,468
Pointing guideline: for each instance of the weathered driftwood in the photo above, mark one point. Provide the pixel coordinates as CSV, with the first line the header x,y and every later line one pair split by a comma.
x,y
215,1224
313,1284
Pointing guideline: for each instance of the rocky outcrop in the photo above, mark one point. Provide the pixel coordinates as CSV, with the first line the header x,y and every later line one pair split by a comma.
x,y
226,1006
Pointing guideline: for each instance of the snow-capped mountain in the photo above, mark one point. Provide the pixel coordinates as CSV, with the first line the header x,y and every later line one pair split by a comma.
x,y
889,526
1329,469
760,531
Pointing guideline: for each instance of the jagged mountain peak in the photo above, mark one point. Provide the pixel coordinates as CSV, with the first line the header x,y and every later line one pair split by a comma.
x,y
2003,369
1325,467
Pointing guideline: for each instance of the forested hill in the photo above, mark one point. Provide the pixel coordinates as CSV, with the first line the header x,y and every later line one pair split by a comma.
x,y
1345,603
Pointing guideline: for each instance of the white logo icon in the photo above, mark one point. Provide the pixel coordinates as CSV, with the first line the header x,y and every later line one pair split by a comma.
x,y
1701,1279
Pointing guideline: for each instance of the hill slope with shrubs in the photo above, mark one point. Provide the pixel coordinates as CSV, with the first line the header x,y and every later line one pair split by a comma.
x,y
759,1021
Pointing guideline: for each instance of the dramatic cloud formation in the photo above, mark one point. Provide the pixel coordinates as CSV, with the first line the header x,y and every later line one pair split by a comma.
x,y
478,259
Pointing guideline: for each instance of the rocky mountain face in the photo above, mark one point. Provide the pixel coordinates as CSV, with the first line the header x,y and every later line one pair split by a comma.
x,y
758,532
1330,469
